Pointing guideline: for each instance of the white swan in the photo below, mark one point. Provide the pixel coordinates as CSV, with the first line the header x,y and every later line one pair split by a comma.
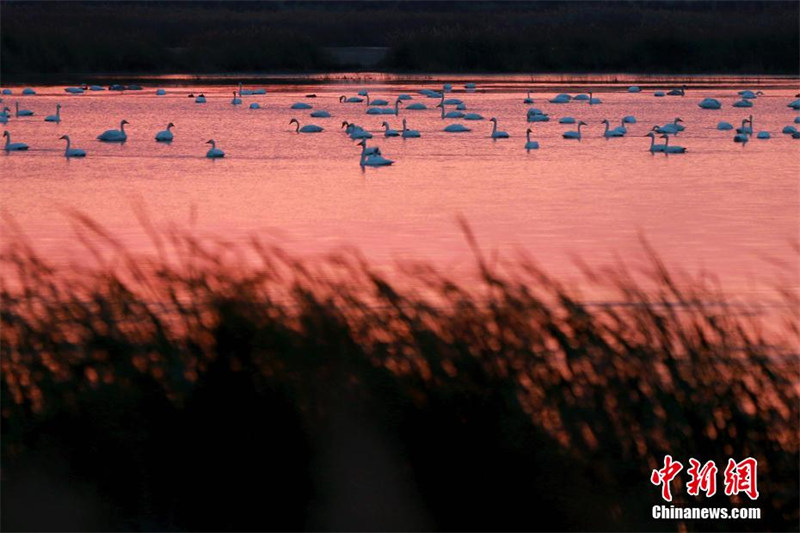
x,y
308,128
28,91
236,100
678,92
710,103
115,136
166,135
659,94
243,92
416,106
763,135
377,102
608,133
4,115
653,146
352,100
629,119
388,131
74,90
750,94
745,128
560,99
473,116
320,113
634,89
214,152
256,105
375,160
456,128
159,92
528,100
672,149
621,128
22,112
450,114
496,134
56,117
373,110
529,144
300,105
13,147
72,152
593,100
566,120
794,105
742,103
356,132
574,134
724,126
201,99
407,133
671,128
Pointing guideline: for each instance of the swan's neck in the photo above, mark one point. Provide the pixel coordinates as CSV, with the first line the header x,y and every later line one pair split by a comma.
x,y
404,125
297,127
58,111
122,126
652,141
666,141
8,139
606,123
68,144
169,127
397,107
213,145
494,127
579,128
367,99
528,136
442,109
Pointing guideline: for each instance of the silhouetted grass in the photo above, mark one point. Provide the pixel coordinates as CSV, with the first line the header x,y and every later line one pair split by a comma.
x,y
67,38
215,388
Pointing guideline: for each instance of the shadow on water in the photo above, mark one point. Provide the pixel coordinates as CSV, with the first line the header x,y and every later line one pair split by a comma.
x,y
197,391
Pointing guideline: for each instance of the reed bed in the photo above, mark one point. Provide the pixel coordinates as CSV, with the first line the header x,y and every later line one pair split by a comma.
x,y
211,387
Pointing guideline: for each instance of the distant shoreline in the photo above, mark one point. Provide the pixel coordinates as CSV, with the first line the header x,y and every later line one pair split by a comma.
x,y
680,38
552,79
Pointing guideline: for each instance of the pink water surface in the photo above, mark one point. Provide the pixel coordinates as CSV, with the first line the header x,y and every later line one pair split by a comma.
x,y
724,208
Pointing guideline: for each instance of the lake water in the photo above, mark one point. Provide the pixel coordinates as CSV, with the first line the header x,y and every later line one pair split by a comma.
x,y
723,208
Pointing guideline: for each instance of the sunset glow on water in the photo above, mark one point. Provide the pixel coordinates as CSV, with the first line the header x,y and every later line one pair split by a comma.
x,y
722,208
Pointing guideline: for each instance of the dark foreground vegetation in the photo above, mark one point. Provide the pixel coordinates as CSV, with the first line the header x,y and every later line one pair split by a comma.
x,y
49,38
192,392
